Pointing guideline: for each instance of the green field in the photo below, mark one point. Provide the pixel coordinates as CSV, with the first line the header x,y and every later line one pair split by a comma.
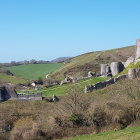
x,y
34,71
11,79
63,89
126,134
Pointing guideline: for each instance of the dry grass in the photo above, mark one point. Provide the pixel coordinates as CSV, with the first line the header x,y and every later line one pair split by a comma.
x,y
112,108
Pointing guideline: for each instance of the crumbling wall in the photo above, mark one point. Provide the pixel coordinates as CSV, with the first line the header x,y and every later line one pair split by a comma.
x,y
33,97
101,85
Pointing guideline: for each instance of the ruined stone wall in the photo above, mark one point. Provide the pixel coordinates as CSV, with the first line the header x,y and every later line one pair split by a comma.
x,y
101,85
7,93
33,97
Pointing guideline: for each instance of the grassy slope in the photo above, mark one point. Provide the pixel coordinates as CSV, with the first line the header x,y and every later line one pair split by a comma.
x,y
63,89
132,65
126,134
80,65
33,71
11,79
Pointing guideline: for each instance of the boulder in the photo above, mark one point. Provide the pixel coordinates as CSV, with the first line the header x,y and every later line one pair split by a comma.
x,y
116,67
132,73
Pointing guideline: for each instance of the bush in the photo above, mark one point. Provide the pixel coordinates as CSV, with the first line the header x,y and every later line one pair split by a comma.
x,y
40,81
77,119
99,117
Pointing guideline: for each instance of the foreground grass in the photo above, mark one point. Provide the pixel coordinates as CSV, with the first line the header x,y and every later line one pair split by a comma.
x,y
11,79
61,90
33,71
126,134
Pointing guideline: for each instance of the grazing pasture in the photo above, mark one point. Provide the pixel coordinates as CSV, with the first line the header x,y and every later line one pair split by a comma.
x,y
34,71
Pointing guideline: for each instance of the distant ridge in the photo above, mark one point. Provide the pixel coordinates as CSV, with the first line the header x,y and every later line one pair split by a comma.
x,y
61,59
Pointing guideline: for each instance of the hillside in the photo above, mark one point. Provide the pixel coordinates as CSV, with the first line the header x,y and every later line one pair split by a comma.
x,y
61,59
4,78
126,134
34,71
82,64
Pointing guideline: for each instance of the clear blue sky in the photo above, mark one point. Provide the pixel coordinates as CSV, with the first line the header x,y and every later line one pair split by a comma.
x,y
47,29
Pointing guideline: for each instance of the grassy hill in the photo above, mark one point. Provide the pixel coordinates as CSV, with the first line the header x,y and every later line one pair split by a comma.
x,y
81,65
126,134
33,71
4,78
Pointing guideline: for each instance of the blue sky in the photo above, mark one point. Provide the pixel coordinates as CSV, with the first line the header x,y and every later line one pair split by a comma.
x,y
47,29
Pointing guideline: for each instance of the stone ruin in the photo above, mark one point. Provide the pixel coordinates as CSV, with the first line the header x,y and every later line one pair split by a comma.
x,y
105,69
68,79
8,93
91,74
133,73
137,56
104,84
53,99
115,68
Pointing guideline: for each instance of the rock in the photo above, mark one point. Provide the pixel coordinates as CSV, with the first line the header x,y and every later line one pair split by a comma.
x,y
129,61
33,84
47,76
91,74
64,82
138,48
68,79
116,67
55,98
132,73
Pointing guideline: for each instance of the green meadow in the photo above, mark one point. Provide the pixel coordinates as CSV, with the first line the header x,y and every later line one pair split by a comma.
x,y
11,79
34,71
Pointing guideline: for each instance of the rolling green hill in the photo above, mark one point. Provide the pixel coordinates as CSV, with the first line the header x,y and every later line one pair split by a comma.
x,y
33,71
4,78
126,134
81,65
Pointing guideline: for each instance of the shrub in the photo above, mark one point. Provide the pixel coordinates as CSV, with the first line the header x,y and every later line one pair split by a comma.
x,y
40,81
77,119
99,117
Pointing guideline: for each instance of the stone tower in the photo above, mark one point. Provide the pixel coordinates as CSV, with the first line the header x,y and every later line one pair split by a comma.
x,y
105,69
137,49
116,67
